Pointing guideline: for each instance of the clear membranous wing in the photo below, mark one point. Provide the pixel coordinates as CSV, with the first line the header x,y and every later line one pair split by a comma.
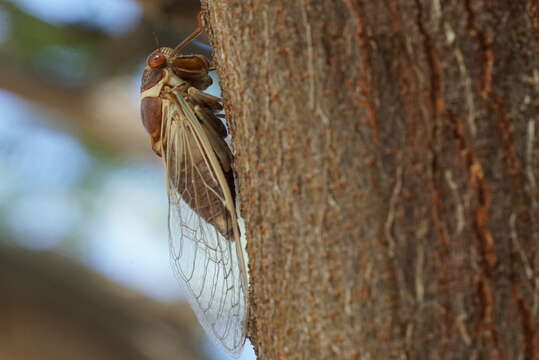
x,y
202,228
204,237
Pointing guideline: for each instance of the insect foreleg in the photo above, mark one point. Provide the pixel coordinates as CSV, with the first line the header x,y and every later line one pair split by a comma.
x,y
198,97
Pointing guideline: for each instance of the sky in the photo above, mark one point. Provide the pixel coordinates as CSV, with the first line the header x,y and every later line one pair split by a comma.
x,y
118,214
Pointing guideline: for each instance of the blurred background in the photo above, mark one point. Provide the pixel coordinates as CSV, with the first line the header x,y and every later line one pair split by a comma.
x,y
84,267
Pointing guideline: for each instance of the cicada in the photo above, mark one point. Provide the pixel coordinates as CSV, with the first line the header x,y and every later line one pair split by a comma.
x,y
204,238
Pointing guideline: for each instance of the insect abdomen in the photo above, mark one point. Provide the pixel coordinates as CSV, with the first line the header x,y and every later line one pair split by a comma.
x,y
152,115
197,178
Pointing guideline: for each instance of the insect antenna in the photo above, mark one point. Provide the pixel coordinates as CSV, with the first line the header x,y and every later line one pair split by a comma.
x,y
156,40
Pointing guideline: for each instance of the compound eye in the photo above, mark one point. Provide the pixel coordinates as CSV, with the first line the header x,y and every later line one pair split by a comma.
x,y
156,60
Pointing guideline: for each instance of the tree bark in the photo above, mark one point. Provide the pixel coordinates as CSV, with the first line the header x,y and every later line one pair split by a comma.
x,y
387,154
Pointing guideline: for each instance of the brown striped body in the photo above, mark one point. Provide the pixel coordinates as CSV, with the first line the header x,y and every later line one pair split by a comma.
x,y
204,237
192,174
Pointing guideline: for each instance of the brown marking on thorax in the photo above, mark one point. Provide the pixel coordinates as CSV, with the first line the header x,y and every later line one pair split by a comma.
x,y
150,78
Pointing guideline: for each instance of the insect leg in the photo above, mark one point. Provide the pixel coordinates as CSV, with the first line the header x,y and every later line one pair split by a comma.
x,y
193,36
198,97
212,66
207,117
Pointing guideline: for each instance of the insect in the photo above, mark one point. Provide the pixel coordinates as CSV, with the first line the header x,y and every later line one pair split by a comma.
x,y
204,238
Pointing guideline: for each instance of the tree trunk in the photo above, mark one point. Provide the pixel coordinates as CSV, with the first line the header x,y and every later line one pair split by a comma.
x,y
388,158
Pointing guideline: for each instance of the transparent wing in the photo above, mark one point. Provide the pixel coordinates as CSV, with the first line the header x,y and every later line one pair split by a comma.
x,y
203,253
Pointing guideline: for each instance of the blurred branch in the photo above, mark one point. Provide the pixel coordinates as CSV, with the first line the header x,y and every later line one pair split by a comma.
x,y
96,98
172,12
104,111
53,308
164,19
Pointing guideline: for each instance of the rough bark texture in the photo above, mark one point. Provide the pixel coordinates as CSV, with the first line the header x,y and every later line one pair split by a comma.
x,y
388,161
